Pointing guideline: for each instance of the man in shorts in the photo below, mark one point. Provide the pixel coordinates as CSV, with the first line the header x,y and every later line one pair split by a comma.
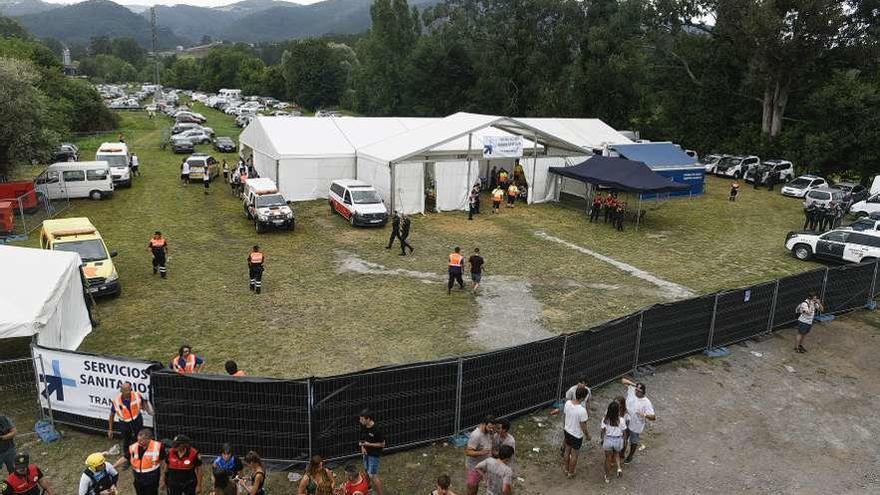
x,y
371,443
498,474
640,410
806,312
575,430
479,448
476,262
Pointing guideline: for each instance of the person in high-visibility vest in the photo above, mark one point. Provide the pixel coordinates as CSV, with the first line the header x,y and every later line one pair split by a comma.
x,y
512,193
159,250
232,368
145,458
497,197
256,260
186,361
126,409
456,260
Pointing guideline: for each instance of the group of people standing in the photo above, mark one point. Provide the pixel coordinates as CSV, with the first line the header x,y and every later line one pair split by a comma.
x,y
610,207
820,218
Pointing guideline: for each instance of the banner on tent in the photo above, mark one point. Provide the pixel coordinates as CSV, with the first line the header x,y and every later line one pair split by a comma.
x,y
85,384
502,147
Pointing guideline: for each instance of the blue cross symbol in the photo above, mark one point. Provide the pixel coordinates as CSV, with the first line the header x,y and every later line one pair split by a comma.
x,y
55,383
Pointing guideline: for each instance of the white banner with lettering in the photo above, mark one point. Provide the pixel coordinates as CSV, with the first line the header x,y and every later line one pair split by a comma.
x,y
502,147
86,384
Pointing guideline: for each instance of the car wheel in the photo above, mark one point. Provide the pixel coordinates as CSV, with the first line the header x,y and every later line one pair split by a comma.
x,y
258,227
351,220
95,195
292,225
802,252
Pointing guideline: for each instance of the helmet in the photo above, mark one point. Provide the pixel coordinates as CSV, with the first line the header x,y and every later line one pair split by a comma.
x,y
94,461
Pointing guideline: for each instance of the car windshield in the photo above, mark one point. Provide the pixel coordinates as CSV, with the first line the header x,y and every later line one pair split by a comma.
x,y
224,140
728,161
863,224
365,196
114,160
268,200
799,183
88,250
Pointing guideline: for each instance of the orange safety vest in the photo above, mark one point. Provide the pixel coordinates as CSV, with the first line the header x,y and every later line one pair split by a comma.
x,y
256,258
512,191
497,195
157,243
130,413
455,259
149,462
189,367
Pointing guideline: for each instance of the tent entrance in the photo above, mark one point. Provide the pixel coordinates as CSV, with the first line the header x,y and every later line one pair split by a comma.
x,y
430,187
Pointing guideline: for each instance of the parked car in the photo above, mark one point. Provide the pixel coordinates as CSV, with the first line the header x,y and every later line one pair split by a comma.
x,y
199,162
709,162
224,144
266,206
190,126
735,166
65,152
842,245
866,207
195,136
823,197
870,223
799,187
358,202
852,192
784,168
182,145
78,235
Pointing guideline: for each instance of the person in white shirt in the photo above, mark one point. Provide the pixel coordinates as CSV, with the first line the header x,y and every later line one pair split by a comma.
x,y
135,165
479,448
640,410
612,428
575,430
806,312
498,474
184,171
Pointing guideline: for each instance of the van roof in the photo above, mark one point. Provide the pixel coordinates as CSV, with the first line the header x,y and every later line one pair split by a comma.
x,y
113,148
351,183
58,227
78,165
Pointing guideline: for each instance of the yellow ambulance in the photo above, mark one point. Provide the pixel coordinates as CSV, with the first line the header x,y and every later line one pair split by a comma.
x,y
78,235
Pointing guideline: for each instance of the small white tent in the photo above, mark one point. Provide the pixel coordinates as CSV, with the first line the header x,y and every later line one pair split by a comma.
x,y
42,295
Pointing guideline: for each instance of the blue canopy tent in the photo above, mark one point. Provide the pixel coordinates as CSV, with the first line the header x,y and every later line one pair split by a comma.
x,y
622,175
668,160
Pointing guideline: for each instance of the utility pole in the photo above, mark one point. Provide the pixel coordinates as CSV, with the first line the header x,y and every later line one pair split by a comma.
x,y
155,33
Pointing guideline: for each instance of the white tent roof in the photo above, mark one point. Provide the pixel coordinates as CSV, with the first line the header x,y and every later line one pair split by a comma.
x,y
42,293
281,137
363,131
587,133
441,132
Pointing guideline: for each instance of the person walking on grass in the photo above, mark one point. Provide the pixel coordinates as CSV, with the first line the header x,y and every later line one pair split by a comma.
x,y
512,193
497,196
734,191
135,165
159,251
206,179
456,260
612,430
405,226
806,312
640,411
476,263
371,443
595,208
473,197
497,471
225,170
184,171
256,261
575,431
478,449
395,230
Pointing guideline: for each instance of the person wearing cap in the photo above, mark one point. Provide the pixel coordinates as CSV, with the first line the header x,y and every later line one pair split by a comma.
x,y
145,457
126,408
182,474
7,443
26,478
227,462
640,411
99,477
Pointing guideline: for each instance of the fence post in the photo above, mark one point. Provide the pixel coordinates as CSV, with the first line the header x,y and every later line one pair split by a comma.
x,y
712,324
311,403
638,340
873,284
48,399
562,367
773,308
458,397
824,284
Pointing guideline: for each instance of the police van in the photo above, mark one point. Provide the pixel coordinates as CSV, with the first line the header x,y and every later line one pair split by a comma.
x,y
75,180
357,202
116,155
266,206
78,235
843,245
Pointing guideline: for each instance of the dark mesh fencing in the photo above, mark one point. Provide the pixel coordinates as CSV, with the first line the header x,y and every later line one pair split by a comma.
x,y
20,393
792,291
742,313
848,287
263,414
411,404
602,353
509,381
676,329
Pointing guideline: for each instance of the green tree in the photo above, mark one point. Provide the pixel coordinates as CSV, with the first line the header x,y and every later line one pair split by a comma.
x,y
440,77
100,45
129,50
24,136
10,28
315,73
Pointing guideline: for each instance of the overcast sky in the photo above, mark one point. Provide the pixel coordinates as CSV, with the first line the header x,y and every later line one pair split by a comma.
x,y
200,3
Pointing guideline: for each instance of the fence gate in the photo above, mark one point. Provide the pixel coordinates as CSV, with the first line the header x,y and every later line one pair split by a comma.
x,y
20,393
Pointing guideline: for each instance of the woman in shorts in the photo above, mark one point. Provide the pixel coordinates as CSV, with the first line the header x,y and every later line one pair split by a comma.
x,y
623,413
613,428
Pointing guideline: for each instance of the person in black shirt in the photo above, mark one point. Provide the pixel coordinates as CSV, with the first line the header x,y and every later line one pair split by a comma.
x,y
476,261
395,230
372,441
404,235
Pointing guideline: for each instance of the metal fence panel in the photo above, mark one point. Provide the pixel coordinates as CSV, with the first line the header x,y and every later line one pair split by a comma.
x,y
268,415
675,329
848,287
601,353
30,209
792,291
742,313
20,393
509,381
412,404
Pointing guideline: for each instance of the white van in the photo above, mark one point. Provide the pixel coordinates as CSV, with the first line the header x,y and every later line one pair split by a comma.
x,y
116,155
358,202
76,180
866,207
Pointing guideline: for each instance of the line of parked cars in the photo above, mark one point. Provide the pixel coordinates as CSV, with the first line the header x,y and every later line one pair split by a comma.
x,y
189,130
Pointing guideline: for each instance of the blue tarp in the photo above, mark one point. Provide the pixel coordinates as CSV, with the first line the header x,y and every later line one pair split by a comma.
x,y
620,174
656,155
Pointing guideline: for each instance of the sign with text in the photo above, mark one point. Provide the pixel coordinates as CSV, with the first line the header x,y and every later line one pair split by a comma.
x,y
86,384
502,147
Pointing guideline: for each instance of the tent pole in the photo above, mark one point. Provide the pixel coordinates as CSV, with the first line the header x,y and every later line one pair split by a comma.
x,y
467,194
639,212
391,171
534,169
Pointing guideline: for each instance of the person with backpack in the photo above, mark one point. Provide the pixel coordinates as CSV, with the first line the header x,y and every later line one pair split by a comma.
x,y
99,477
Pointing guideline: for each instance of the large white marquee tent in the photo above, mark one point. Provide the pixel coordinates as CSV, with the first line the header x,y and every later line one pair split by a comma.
x,y
400,155
42,295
